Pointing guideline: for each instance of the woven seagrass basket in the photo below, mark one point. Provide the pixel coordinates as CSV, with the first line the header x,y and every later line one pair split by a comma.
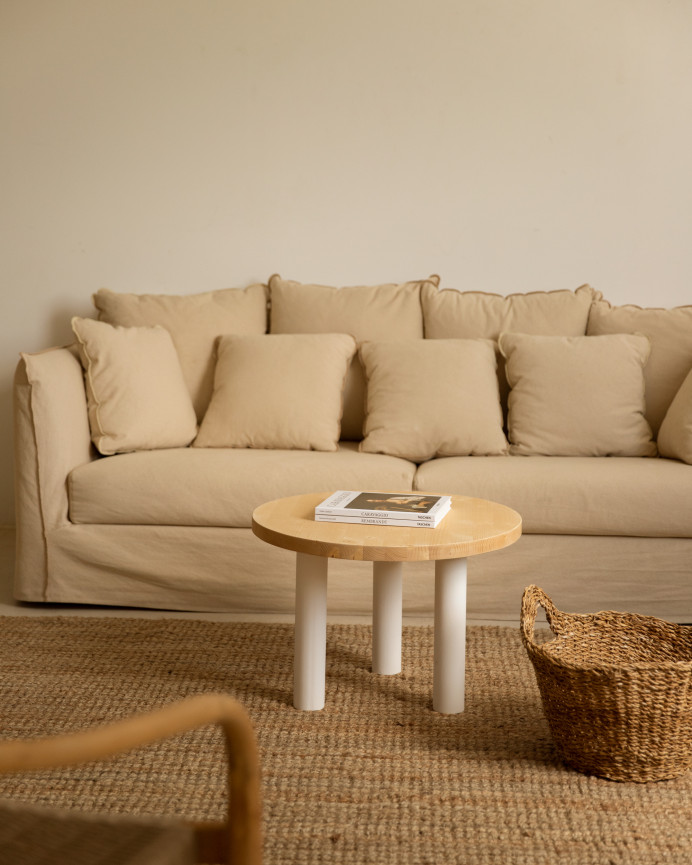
x,y
616,690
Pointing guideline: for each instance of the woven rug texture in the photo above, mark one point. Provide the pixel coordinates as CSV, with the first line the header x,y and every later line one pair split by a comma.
x,y
376,777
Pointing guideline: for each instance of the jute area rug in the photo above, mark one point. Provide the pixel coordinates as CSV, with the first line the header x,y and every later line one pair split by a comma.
x,y
376,777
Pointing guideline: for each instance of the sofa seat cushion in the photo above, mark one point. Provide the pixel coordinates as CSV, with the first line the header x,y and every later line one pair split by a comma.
x,y
219,487
625,496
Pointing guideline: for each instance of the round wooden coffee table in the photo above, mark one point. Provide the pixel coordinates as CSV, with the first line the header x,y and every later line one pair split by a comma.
x,y
472,526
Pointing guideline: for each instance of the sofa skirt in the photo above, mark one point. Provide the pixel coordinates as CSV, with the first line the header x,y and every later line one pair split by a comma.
x,y
230,570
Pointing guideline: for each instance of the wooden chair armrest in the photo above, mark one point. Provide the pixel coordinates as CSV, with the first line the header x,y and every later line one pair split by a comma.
x,y
243,841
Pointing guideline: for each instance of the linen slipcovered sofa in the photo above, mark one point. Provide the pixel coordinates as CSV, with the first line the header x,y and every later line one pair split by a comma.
x,y
142,449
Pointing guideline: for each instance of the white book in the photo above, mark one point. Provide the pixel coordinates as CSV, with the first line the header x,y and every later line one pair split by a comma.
x,y
379,521
414,507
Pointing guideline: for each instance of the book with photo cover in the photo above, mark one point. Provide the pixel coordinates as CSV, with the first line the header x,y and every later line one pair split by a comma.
x,y
415,507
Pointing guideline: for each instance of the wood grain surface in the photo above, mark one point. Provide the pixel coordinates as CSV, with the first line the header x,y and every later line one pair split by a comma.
x,y
472,526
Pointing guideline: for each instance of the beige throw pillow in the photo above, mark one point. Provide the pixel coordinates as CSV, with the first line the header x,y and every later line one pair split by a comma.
x,y
675,434
577,396
670,334
194,321
369,312
282,391
430,398
136,393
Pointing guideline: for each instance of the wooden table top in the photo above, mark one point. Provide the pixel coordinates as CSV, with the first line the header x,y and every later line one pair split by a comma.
x,y
472,526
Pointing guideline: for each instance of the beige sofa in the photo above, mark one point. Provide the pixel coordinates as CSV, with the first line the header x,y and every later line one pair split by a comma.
x,y
135,490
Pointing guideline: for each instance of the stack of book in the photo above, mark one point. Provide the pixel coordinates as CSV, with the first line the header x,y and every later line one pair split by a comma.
x,y
383,509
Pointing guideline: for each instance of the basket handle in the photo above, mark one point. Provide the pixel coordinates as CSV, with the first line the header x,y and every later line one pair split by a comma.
x,y
531,600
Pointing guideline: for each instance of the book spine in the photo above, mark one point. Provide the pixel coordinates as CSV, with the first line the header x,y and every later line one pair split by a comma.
x,y
441,505
376,515
430,517
375,521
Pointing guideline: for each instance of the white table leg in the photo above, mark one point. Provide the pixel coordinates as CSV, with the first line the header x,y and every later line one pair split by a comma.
x,y
386,617
449,667
310,632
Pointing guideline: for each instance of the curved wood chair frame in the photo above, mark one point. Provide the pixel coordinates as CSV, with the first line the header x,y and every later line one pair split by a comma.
x,y
239,839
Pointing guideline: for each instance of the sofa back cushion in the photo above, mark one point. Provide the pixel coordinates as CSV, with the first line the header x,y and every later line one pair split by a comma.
x,y
577,396
670,334
376,312
279,391
194,321
452,314
432,398
136,394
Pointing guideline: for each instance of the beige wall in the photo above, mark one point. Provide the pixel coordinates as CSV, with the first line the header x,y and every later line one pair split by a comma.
x,y
185,145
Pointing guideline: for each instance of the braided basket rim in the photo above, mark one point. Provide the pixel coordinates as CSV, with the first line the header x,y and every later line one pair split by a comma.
x,y
543,651
602,621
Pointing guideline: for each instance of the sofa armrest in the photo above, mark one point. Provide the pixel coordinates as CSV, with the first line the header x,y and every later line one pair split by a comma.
x,y
51,437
